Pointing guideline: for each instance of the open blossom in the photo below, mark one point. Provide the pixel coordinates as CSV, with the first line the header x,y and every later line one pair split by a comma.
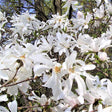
x,y
54,82
43,101
83,21
87,43
46,44
64,43
24,24
56,23
18,66
100,89
46,64
62,89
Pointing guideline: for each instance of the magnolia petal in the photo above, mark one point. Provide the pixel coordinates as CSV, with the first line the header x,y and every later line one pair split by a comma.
x,y
90,108
3,109
43,99
81,99
34,97
100,108
13,106
39,69
12,90
89,83
89,67
81,85
3,98
109,88
24,87
55,84
107,109
3,75
90,98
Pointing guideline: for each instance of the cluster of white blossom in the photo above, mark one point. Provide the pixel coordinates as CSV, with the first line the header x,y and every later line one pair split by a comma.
x,y
62,56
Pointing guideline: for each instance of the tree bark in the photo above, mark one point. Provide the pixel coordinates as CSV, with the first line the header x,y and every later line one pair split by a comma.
x,y
57,6
38,4
70,13
19,8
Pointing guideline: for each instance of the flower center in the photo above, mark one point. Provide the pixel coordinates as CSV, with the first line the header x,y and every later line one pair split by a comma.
x,y
57,69
22,57
71,70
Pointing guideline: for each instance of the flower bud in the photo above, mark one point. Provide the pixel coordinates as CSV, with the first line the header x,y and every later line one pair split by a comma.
x,y
102,56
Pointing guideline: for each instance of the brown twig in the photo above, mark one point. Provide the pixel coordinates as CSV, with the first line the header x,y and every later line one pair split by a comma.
x,y
23,107
102,72
20,65
19,82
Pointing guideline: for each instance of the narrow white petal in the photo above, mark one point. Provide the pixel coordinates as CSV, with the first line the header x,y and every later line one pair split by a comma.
x,y
81,99
89,67
81,85
107,109
90,108
13,106
100,108
109,88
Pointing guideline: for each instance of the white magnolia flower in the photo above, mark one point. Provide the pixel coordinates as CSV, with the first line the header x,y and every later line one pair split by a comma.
x,y
73,65
75,68
56,23
46,44
42,101
71,100
42,63
62,107
25,23
64,43
109,87
99,12
81,20
108,33
54,82
99,89
2,16
3,98
87,43
18,66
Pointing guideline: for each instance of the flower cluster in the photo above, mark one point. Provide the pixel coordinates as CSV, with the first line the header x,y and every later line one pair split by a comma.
x,y
57,65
